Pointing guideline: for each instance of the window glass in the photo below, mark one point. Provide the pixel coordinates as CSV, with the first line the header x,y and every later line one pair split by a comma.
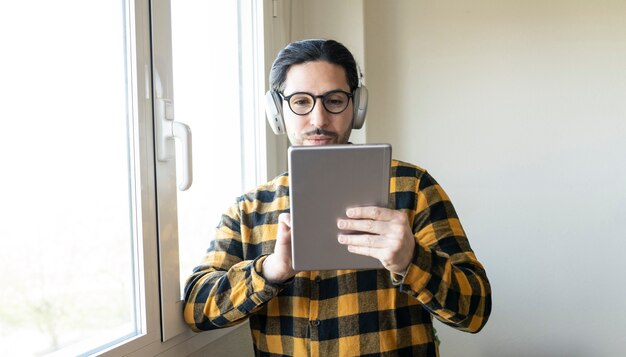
x,y
205,51
67,232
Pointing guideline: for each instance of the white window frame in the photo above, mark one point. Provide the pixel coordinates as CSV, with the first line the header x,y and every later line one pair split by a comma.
x,y
171,302
162,330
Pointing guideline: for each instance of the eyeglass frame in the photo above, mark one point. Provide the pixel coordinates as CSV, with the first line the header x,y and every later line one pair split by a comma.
x,y
315,97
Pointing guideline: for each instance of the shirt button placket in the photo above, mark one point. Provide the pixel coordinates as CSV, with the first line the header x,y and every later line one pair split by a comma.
x,y
318,279
314,321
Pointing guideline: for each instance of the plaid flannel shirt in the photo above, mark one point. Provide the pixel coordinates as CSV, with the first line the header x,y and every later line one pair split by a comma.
x,y
345,312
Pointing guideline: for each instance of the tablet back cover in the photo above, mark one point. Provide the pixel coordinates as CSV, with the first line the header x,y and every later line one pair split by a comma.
x,y
323,182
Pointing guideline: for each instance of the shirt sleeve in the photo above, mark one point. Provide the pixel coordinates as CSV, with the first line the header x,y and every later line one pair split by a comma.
x,y
225,289
445,275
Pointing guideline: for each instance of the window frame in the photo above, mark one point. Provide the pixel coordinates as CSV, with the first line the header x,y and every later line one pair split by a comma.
x,y
252,112
153,190
154,194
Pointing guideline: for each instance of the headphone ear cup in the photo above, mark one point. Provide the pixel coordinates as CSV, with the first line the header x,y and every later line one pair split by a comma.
x,y
359,100
274,112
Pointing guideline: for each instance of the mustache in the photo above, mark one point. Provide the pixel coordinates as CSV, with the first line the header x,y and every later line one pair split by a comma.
x,y
320,131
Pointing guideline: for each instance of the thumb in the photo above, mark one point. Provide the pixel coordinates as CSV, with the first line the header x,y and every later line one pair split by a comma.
x,y
283,236
284,223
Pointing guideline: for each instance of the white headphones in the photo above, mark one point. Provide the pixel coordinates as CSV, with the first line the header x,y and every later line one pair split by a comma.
x,y
274,107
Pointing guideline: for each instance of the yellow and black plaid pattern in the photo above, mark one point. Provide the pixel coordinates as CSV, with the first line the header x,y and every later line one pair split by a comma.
x,y
346,312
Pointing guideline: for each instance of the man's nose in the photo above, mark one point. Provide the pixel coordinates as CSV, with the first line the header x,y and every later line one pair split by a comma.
x,y
319,116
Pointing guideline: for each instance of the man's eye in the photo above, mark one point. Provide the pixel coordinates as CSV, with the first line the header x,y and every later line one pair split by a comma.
x,y
334,101
301,101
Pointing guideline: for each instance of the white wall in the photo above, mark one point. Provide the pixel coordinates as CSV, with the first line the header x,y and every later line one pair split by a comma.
x,y
518,108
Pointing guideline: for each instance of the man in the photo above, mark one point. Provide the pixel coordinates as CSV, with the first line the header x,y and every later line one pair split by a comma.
x,y
430,269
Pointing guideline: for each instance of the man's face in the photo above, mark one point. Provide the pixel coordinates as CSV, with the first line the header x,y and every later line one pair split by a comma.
x,y
319,127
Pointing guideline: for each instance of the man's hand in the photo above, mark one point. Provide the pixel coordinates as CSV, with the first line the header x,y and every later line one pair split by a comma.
x,y
386,236
277,267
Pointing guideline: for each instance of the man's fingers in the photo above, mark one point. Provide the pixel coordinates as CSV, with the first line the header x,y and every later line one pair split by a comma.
x,y
375,253
372,219
363,240
371,212
362,225
283,234
284,220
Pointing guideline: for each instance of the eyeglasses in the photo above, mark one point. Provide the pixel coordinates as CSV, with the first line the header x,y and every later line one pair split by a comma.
x,y
302,103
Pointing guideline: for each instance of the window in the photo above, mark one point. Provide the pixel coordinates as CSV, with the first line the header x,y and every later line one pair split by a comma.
x,y
206,84
82,205
214,82
68,267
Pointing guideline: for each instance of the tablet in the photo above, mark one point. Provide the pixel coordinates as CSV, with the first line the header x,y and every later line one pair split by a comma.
x,y
323,182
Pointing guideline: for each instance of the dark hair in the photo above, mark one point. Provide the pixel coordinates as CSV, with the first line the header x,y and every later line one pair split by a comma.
x,y
308,51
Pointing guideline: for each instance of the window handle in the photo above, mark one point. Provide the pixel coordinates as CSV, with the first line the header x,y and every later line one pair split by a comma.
x,y
167,130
